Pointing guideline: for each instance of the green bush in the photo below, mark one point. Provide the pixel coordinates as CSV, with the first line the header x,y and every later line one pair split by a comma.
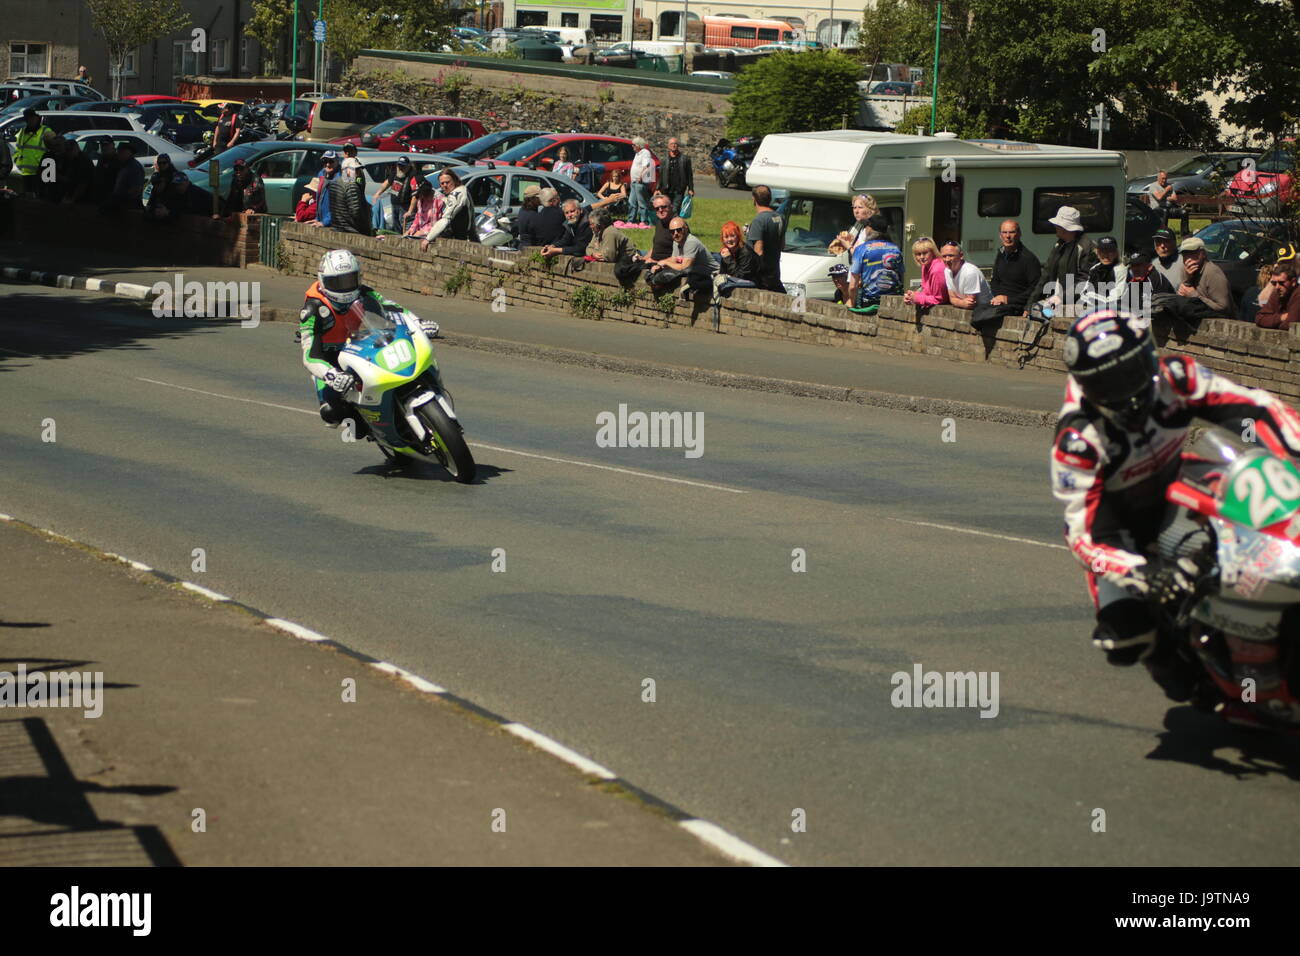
x,y
458,279
794,93
587,302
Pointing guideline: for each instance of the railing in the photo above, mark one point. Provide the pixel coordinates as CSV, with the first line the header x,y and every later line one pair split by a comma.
x,y
268,245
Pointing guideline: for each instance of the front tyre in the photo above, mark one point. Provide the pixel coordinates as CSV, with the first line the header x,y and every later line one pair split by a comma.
x,y
448,441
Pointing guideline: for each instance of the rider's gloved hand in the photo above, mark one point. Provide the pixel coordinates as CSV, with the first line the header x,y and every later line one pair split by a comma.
x,y
341,381
1172,581
1129,572
430,328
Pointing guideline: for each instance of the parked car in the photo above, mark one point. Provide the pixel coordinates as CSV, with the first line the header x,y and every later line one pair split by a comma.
x,y
1265,187
416,133
1140,224
505,186
490,145
66,86
148,147
182,123
713,74
623,58
42,102
894,88
104,106
379,167
343,116
73,121
1241,247
140,99
284,165
1205,174
540,152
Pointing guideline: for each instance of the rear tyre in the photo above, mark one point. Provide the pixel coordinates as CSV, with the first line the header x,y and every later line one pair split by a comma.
x,y
448,441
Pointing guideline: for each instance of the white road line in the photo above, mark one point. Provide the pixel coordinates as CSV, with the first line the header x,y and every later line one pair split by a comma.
x,y
557,749
415,680
297,630
200,589
125,560
733,846
982,534
509,451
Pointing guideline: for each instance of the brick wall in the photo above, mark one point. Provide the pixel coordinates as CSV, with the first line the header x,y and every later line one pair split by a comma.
x,y
188,240
1253,356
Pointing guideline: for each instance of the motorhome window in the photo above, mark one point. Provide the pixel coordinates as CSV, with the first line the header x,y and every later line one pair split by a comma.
x,y
999,203
769,36
1096,204
743,33
811,222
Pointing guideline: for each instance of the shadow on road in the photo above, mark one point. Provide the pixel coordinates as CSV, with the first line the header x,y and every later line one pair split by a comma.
x,y
1195,738
425,471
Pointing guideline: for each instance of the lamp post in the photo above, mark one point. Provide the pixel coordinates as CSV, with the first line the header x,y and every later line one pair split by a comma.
x,y
293,39
686,12
934,91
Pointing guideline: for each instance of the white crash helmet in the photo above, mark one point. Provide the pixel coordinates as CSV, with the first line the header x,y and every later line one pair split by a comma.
x,y
340,277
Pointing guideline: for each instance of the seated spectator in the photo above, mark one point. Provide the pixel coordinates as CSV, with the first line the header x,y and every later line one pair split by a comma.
x,y
1282,310
305,211
607,243
576,235
426,208
77,171
876,268
1167,261
129,185
349,211
456,221
739,267
190,200
1205,292
1107,278
247,193
541,221
1256,296
612,194
934,276
661,246
162,204
967,286
1016,274
562,165
1066,269
690,260
1146,289
107,166
393,198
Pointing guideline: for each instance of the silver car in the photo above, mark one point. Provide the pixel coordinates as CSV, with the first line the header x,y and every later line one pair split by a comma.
x,y
148,146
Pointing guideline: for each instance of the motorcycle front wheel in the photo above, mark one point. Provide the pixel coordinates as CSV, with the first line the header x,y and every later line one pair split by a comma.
x,y
448,441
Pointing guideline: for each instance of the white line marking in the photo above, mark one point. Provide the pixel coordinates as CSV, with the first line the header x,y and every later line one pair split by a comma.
x,y
982,534
297,630
509,451
733,846
557,749
419,683
200,589
125,560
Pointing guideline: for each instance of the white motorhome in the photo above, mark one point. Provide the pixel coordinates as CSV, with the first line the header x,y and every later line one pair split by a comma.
x,y
937,186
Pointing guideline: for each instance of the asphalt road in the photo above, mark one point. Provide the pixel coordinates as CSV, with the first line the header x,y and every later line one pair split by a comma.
x,y
773,688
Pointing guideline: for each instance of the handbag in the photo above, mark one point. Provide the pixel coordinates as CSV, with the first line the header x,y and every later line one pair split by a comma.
x,y
688,206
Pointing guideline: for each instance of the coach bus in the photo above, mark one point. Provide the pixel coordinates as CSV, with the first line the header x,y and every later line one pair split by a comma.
x,y
735,32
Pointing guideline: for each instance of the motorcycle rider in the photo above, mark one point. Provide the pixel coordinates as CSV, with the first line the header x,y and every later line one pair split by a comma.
x,y
331,312
1121,428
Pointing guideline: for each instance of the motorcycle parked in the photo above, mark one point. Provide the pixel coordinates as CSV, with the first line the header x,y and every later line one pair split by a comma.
x,y
408,410
731,161
1243,537
494,227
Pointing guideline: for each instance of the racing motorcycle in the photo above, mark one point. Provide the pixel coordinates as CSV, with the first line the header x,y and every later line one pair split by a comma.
x,y
731,160
408,410
1242,536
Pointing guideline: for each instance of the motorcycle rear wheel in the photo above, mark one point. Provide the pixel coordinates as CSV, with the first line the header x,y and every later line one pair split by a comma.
x,y
449,440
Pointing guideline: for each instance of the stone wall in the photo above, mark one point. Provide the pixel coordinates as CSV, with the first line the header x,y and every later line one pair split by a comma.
x,y
504,100
1258,357
197,240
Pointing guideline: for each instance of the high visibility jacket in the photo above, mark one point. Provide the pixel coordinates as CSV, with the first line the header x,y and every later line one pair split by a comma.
x,y
29,150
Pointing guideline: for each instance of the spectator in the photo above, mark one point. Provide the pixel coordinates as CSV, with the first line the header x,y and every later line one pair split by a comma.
x,y
83,75
1205,292
107,166
129,185
1069,261
328,173
78,172
864,207
607,243
612,194
407,180
1146,291
305,211
1256,297
562,165
457,218
540,221
876,269
59,187
29,150
6,161
349,211
426,209
642,176
247,194
1163,196
689,259
1016,276
678,178
163,201
739,267
767,236
226,132
576,235
350,161
189,199
661,246
1107,278
967,286
1282,310
934,281
1167,262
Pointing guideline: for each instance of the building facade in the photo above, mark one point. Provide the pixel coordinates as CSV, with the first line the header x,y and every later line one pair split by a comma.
x,y
608,20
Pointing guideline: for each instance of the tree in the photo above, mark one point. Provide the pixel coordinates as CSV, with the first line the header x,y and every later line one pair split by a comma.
x,y
270,24
129,24
794,93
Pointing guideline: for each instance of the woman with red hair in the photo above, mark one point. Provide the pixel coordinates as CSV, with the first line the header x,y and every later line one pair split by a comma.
x,y
738,267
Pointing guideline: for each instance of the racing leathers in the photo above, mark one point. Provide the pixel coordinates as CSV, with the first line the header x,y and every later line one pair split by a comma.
x,y
1112,482
323,329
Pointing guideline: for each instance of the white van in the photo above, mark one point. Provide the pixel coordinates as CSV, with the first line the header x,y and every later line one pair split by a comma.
x,y
666,47
577,36
937,186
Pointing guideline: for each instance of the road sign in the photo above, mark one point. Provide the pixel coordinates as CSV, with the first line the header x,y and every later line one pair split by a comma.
x,y
1092,125
318,31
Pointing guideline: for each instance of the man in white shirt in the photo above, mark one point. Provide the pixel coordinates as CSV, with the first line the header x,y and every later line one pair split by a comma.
x,y
967,286
642,175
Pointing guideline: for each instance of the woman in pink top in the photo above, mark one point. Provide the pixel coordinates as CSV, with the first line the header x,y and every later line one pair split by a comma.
x,y
427,207
934,284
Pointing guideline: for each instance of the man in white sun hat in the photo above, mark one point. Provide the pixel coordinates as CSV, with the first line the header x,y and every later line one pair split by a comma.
x,y
1066,269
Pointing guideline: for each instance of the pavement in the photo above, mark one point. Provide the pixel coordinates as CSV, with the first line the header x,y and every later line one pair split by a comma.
x,y
721,633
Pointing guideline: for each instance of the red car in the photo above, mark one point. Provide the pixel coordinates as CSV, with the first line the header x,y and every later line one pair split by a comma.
x,y
1267,185
408,133
140,99
541,152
